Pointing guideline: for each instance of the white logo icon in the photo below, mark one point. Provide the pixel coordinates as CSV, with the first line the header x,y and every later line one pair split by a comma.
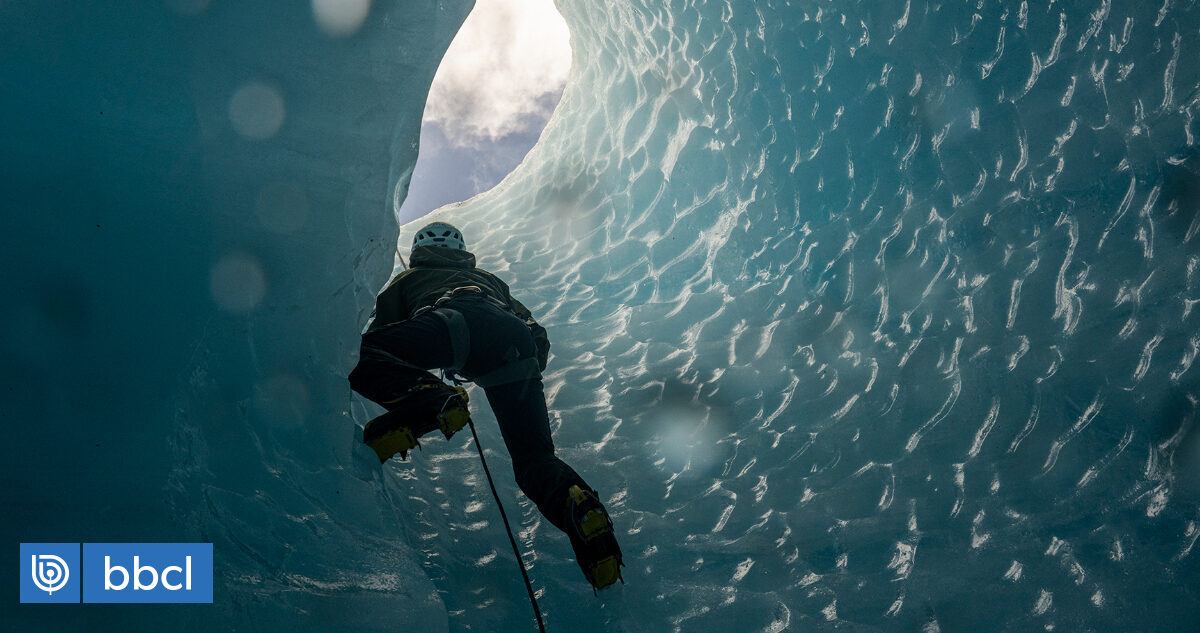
x,y
50,573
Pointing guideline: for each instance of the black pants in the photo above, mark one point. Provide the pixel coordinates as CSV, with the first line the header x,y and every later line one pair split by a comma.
x,y
423,343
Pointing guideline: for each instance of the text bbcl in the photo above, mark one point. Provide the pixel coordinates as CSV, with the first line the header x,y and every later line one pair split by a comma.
x,y
147,572
146,577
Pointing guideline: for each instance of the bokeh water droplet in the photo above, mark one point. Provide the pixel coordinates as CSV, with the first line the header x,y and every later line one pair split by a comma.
x,y
256,111
237,282
341,18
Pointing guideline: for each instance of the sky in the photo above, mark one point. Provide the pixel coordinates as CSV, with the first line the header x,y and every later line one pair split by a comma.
x,y
491,97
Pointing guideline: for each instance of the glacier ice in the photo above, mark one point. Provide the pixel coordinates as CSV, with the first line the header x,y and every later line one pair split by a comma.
x,y
865,317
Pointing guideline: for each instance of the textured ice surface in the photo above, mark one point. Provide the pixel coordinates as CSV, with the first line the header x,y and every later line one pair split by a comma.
x,y
866,316
190,189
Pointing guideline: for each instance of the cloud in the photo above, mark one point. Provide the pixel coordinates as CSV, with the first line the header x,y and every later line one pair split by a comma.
x,y
501,72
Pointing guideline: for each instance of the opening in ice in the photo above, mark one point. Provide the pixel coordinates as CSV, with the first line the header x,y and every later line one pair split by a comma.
x,y
492,95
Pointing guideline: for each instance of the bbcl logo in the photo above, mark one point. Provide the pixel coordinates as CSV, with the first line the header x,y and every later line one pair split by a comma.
x,y
50,572
117,572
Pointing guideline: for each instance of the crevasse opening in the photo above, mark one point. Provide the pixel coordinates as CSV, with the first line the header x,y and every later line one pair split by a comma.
x,y
494,90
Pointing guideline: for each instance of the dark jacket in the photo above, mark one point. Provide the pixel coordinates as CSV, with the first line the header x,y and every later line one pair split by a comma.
x,y
433,270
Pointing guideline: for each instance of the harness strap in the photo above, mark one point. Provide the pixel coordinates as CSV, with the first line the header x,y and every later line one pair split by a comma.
x,y
460,336
516,369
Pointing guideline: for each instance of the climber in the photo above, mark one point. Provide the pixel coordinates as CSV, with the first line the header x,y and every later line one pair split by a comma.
x,y
444,313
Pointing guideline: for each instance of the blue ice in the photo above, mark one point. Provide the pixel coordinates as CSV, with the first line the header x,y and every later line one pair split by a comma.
x,y
865,316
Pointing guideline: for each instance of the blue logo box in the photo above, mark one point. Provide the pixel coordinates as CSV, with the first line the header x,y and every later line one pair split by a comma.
x,y
147,572
50,572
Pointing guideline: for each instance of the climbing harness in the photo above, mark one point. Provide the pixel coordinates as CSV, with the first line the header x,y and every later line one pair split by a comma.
x,y
514,368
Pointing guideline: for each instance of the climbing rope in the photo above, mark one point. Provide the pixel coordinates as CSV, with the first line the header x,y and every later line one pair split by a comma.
x,y
402,262
520,561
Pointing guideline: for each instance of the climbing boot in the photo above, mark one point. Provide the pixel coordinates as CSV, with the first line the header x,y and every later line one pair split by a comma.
x,y
426,407
593,539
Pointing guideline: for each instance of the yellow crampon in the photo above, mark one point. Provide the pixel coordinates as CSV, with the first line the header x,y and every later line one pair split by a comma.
x,y
400,441
452,417
605,572
602,566
594,522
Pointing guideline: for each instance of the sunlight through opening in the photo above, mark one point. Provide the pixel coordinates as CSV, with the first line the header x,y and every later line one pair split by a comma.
x,y
492,95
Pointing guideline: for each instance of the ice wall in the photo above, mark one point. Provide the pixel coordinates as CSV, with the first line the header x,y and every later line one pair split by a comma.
x,y
870,316
196,204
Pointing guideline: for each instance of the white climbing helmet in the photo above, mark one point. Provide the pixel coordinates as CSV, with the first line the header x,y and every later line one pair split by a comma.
x,y
440,234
